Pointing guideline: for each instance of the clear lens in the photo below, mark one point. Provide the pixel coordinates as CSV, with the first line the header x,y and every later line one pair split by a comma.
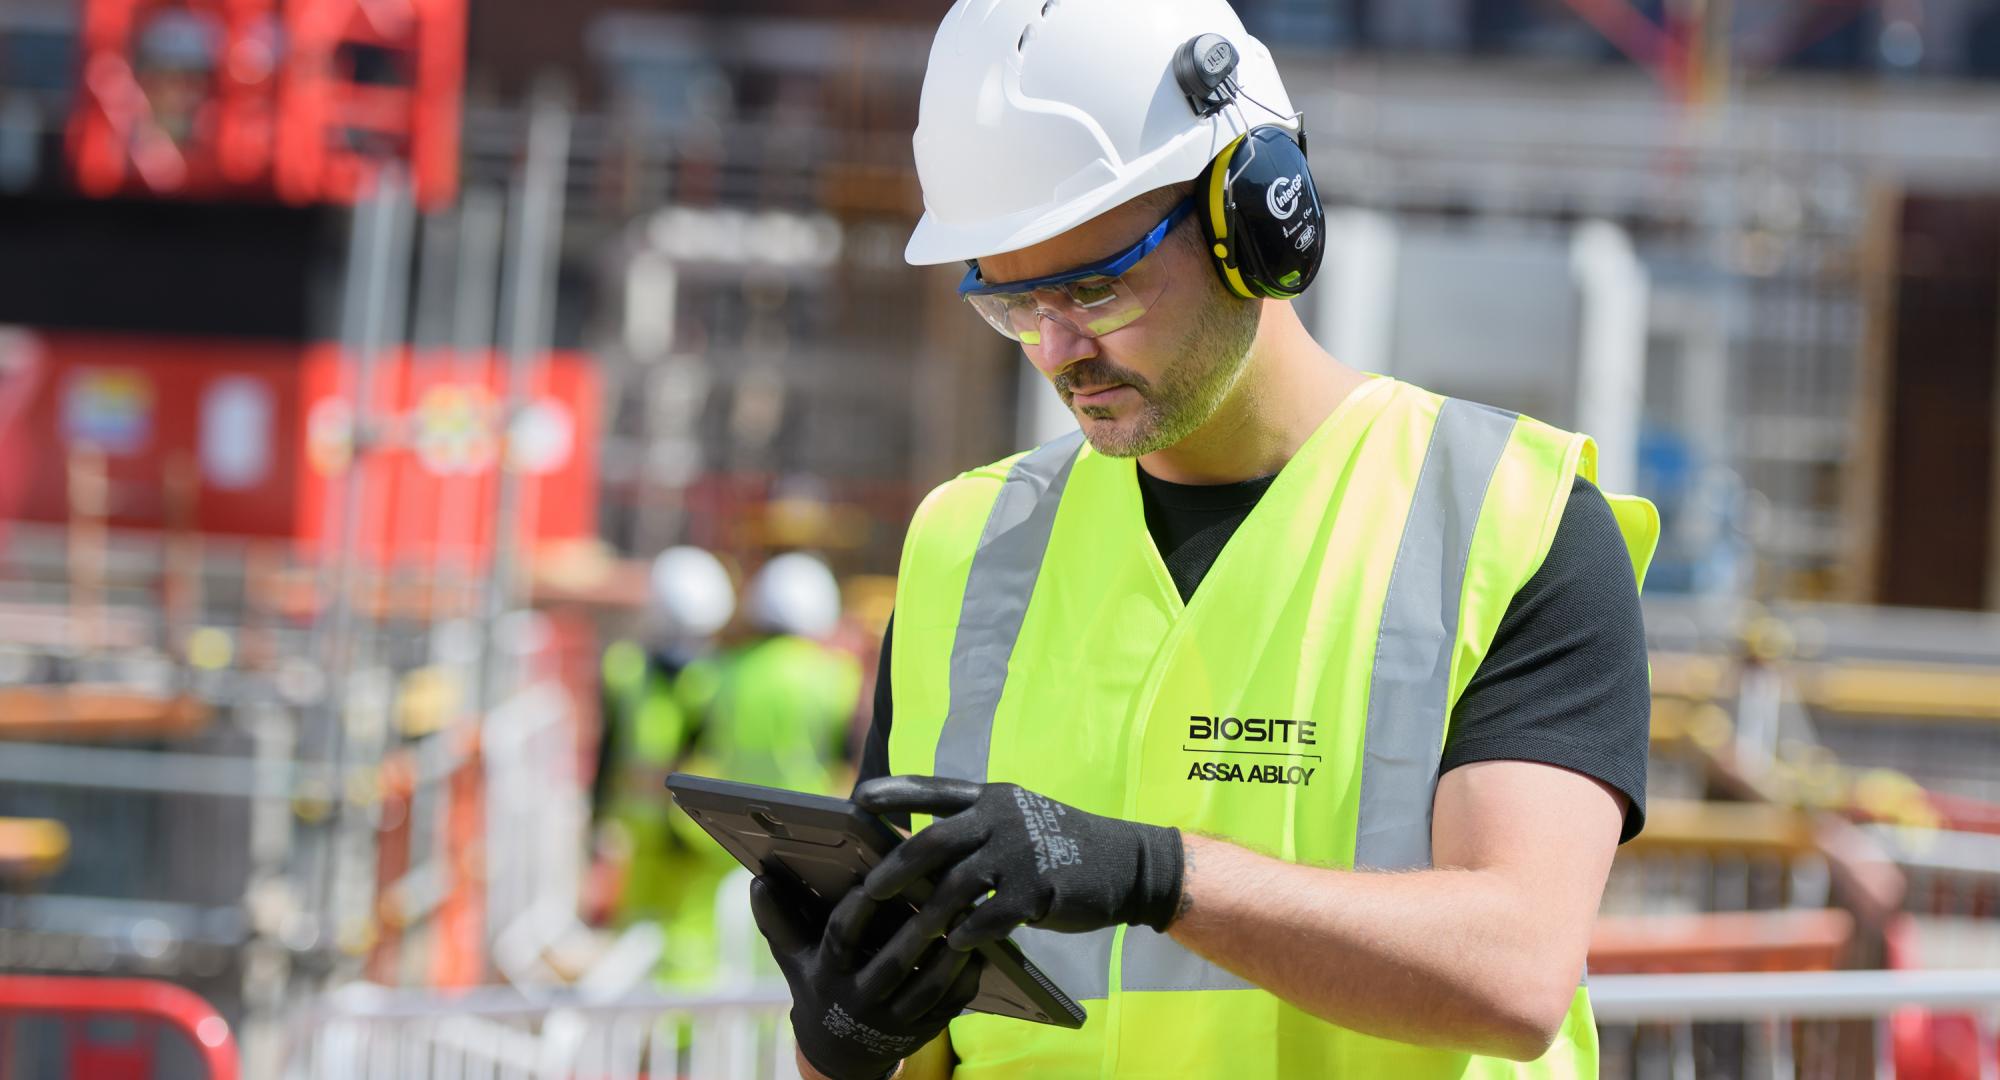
x,y
1089,307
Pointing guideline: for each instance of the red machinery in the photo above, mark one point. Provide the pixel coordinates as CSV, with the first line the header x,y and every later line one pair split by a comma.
x,y
150,1007
265,427
20,375
430,483
298,98
177,97
368,80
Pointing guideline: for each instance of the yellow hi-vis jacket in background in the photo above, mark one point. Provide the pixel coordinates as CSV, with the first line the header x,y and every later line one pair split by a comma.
x,y
1297,705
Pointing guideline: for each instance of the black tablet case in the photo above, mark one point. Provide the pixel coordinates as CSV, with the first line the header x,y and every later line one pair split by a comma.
x,y
826,846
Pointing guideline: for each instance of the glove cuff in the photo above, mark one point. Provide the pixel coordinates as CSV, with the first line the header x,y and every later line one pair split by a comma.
x,y
1161,860
888,1073
842,1074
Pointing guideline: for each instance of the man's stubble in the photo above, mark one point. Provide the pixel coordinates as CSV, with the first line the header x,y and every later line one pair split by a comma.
x,y
1207,365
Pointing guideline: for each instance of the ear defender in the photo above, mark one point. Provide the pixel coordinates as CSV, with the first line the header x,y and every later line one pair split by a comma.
x,y
1259,210
1261,215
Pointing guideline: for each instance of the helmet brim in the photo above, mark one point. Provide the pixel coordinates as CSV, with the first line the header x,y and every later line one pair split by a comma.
x,y
936,241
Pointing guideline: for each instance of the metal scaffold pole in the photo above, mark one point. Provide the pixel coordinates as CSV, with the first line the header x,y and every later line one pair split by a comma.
x,y
481,223
531,286
374,308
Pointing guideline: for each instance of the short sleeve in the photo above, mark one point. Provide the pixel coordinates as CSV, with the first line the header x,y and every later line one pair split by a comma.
x,y
1565,682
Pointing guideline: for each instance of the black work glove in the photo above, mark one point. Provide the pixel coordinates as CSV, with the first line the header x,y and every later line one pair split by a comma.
x,y
844,1033
1048,865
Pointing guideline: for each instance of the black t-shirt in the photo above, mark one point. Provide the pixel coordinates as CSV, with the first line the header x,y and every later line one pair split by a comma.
x,y
1564,683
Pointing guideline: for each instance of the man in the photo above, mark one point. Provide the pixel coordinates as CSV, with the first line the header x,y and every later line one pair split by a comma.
x,y
773,709
777,707
1288,718
663,874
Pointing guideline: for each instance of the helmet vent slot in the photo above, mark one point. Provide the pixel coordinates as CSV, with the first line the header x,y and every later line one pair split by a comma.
x,y
1027,34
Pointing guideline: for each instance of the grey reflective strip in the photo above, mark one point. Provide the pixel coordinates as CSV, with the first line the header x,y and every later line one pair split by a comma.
x,y
1003,574
1079,964
1004,568
1411,685
1154,961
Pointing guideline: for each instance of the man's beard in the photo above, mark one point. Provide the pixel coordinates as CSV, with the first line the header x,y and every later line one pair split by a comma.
x,y
1206,366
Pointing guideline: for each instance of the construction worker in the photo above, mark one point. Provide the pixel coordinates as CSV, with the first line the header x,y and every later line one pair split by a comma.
x,y
773,710
1287,717
779,704
646,732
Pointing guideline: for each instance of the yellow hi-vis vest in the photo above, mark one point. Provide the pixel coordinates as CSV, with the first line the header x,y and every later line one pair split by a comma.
x,y
1040,640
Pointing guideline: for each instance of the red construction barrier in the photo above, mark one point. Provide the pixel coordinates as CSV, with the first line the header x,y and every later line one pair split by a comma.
x,y
1929,1044
149,1004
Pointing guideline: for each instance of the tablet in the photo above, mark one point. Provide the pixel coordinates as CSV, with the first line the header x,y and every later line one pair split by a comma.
x,y
823,847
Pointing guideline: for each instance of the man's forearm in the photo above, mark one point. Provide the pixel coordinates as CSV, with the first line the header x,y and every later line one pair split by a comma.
x,y
1448,958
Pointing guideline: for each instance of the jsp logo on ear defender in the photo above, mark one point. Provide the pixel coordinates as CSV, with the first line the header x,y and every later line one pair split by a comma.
x,y
1283,196
1220,59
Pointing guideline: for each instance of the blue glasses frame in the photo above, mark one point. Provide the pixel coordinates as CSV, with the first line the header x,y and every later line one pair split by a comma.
x,y
1111,267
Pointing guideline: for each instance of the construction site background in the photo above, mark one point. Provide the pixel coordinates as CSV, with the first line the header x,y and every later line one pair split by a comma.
x,y
358,358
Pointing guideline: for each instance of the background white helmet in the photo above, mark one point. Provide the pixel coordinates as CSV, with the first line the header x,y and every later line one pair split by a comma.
x,y
692,596
1038,115
793,594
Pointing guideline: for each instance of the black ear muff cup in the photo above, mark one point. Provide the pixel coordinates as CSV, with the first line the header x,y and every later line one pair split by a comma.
x,y
1261,215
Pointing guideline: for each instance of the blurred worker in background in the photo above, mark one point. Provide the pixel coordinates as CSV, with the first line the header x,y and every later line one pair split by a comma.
x,y
648,726
776,707
1191,678
773,708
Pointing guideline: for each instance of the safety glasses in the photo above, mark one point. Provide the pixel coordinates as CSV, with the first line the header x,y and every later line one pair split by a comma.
x,y
1090,301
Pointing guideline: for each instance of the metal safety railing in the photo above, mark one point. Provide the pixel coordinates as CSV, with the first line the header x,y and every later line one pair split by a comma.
x,y
366,1033
1913,1025
109,1029
1798,994
1683,1027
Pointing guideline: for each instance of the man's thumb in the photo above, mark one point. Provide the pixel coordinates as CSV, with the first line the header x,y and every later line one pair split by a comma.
x,y
778,923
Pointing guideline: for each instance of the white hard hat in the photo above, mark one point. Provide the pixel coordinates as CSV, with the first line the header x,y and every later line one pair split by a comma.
x,y
691,592
793,594
1038,115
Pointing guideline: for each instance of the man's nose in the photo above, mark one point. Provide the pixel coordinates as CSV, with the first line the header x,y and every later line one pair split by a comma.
x,y
1060,347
